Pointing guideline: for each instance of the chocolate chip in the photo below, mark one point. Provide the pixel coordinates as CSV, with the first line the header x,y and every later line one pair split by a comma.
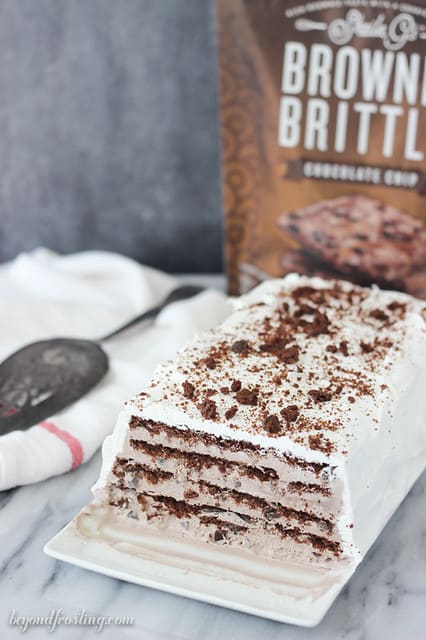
x,y
188,390
236,385
290,413
218,535
247,396
366,347
270,513
331,348
272,424
244,517
230,413
241,347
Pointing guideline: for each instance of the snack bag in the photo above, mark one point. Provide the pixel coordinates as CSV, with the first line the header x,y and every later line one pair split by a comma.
x,y
324,140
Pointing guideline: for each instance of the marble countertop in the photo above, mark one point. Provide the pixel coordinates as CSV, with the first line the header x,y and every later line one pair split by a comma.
x,y
385,599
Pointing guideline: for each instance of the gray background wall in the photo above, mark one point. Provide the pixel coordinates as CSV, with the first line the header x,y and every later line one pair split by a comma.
x,y
108,129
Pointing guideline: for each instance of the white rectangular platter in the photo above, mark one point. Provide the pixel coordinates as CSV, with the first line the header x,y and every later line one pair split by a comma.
x,y
208,573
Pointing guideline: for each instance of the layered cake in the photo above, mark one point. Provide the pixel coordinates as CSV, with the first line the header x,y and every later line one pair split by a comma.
x,y
291,432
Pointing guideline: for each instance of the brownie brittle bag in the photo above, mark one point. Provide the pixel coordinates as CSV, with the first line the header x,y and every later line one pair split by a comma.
x,y
324,140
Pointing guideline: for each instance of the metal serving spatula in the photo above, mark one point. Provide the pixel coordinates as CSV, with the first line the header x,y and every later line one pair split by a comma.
x,y
46,376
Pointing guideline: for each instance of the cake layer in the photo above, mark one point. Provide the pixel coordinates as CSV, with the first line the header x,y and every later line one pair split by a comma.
x,y
262,482
262,473
214,445
273,540
130,476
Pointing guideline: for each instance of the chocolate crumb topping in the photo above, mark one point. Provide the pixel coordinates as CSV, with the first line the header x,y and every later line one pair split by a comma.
x,y
247,396
241,347
319,443
304,291
309,293
210,363
290,355
320,324
305,310
320,395
208,409
290,413
307,383
397,306
366,347
188,390
236,385
275,345
379,314
272,424
343,347
230,413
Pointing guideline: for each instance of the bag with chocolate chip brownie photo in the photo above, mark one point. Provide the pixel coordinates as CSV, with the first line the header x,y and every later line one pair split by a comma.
x,y
323,140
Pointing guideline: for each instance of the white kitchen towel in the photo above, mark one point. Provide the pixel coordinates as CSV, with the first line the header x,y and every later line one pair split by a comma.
x,y
87,295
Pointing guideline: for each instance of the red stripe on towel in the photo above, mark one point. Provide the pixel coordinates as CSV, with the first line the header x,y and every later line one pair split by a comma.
x,y
73,444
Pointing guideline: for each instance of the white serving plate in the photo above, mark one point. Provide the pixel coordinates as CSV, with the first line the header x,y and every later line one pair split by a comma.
x,y
203,572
